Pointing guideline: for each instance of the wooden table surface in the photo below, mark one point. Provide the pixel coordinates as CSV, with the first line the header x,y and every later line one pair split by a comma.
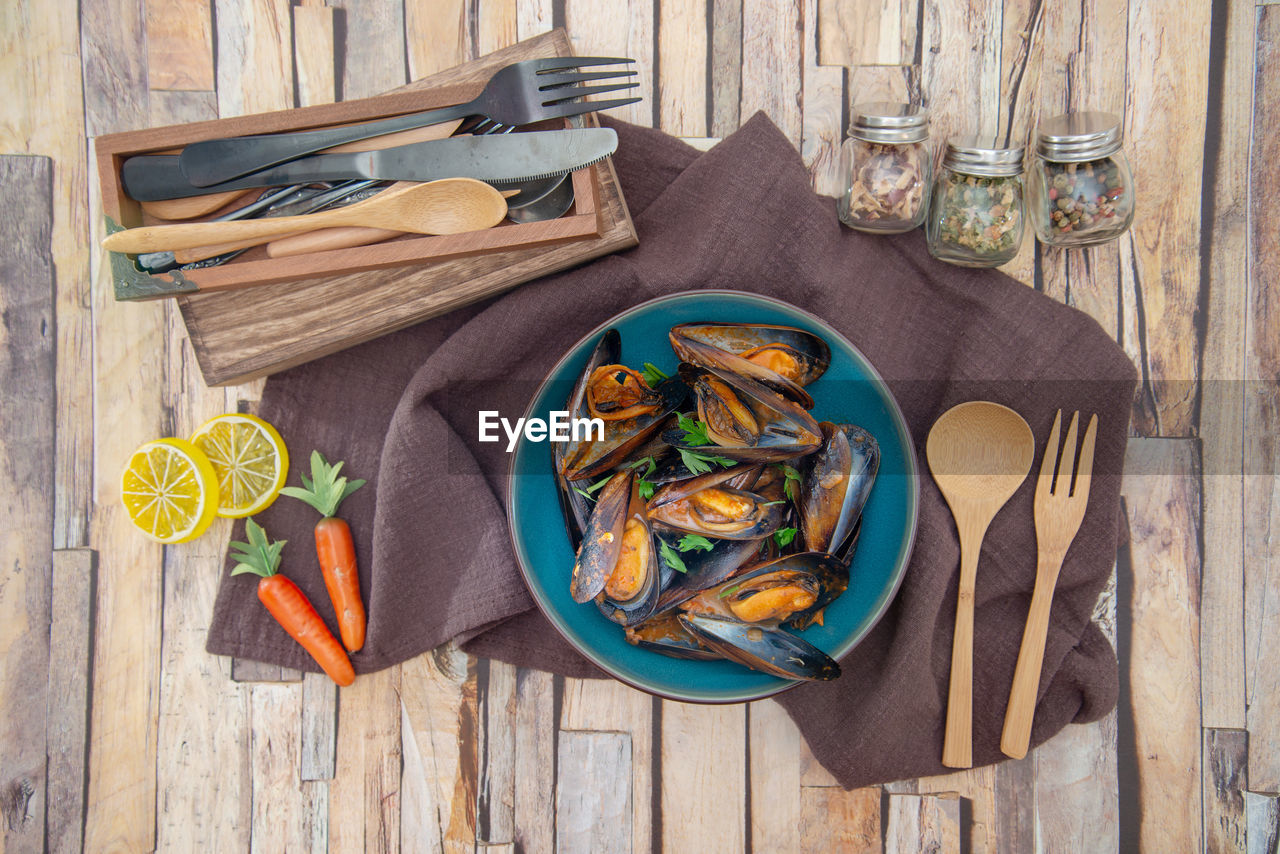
x,y
121,733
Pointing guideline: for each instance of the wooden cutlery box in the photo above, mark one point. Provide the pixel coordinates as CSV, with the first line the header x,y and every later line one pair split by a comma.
x,y
256,315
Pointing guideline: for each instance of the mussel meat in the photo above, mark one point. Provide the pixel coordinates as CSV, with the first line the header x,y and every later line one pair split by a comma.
x,y
836,488
783,358
764,648
704,505
745,419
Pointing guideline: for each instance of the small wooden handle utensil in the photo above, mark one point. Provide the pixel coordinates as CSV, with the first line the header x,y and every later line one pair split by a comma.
x,y
192,206
1059,511
979,454
448,206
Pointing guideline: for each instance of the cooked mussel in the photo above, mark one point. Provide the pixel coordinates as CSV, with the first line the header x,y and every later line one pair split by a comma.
x,y
704,569
745,419
790,591
631,592
705,505
665,634
783,358
836,487
764,648
602,538
631,412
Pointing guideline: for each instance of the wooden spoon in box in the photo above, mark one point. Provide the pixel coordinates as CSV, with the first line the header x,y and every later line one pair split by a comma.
x,y
447,206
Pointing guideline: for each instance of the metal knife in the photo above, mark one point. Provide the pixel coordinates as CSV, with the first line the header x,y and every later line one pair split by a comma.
x,y
497,159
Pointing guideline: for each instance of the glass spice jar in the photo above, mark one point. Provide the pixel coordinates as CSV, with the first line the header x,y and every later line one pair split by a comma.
x,y
975,216
1080,189
886,167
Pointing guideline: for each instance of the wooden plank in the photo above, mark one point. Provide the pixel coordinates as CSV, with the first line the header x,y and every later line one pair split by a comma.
x,y
1022,48
863,33
496,25
319,727
284,814
67,697
26,466
703,778
255,61
179,45
593,792
364,796
1078,37
833,819
373,48
1225,773
823,108
726,66
1077,804
606,705
1164,136
601,28
495,808
1262,424
438,734
535,750
995,811
811,771
773,744
682,67
771,64
533,17
1162,493
128,409
922,823
961,77
313,54
436,32
1222,681
1262,813
182,106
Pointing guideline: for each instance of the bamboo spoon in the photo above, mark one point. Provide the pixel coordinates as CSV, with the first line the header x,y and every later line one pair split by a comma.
x,y
979,454
447,206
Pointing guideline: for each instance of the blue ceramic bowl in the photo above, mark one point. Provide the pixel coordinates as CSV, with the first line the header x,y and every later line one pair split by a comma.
x,y
850,391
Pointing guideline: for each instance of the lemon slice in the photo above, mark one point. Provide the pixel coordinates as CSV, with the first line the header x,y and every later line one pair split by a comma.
x,y
170,490
250,460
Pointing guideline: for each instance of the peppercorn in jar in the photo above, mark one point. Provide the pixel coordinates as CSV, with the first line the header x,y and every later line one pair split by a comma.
x,y
1080,189
976,215
885,165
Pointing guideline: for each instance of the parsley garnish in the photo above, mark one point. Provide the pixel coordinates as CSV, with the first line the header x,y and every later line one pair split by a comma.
x,y
653,375
646,485
793,480
669,555
701,463
692,542
595,487
784,536
695,432
729,591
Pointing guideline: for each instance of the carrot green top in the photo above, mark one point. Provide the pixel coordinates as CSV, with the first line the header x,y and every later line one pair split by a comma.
x,y
258,556
324,490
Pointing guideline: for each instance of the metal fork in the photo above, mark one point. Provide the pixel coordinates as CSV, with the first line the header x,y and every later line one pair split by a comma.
x,y
519,94
1059,509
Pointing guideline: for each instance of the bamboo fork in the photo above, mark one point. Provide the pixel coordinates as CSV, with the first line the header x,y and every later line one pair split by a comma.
x,y
1059,509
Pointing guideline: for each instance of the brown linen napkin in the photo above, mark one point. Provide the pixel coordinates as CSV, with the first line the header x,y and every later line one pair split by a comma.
x,y
430,530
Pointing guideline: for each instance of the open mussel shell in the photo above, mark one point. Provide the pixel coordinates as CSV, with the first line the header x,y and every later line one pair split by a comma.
x,y
630,595
593,456
665,634
705,569
836,487
789,591
783,358
704,505
756,425
764,648
602,539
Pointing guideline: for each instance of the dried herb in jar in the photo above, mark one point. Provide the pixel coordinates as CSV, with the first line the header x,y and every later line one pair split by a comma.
x,y
981,214
888,182
1084,196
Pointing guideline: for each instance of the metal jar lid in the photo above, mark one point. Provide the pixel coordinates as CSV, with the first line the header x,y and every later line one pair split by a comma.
x,y
982,155
1077,137
887,121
